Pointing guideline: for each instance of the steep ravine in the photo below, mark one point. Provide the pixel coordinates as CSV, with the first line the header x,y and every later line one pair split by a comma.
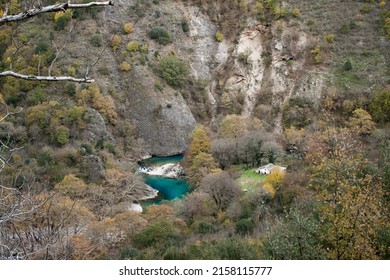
x,y
263,66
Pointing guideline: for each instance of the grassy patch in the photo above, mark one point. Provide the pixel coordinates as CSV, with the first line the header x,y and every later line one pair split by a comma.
x,y
249,179
362,68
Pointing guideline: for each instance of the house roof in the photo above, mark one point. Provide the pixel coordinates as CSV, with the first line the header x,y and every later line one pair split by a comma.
x,y
270,167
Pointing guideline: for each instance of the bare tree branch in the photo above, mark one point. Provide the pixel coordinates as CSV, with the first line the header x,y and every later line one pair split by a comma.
x,y
50,9
8,113
47,78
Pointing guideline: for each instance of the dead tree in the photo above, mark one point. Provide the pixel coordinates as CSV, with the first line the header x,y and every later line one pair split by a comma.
x,y
49,9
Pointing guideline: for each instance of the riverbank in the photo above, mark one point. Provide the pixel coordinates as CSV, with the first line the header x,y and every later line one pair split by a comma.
x,y
168,170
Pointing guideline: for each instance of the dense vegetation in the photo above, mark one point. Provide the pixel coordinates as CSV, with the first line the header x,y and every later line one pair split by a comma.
x,y
68,151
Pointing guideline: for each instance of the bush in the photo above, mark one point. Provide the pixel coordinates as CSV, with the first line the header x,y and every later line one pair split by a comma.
x,y
173,70
128,28
115,42
41,47
125,66
347,65
380,107
295,12
219,36
366,8
245,226
44,158
298,112
205,227
184,26
61,23
62,135
317,54
344,29
161,35
329,37
133,46
96,40
75,114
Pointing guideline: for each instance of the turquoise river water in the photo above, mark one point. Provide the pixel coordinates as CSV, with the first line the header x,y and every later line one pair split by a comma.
x,y
168,188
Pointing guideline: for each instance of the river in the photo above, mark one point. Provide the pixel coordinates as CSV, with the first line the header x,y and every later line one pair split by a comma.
x,y
168,188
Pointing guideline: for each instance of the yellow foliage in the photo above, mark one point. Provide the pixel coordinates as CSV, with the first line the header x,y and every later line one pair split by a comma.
x,y
219,36
144,48
106,106
361,121
103,104
329,37
317,54
1,12
276,177
270,189
115,42
133,46
67,14
72,186
295,12
232,126
128,27
71,71
125,66
200,143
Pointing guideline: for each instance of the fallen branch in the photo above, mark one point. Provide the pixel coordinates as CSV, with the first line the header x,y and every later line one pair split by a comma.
x,y
46,78
50,9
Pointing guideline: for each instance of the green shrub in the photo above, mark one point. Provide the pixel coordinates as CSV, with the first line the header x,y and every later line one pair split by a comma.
x,y
173,70
295,12
329,37
71,88
366,8
133,46
380,107
41,47
61,23
96,40
344,29
184,26
44,158
347,65
62,135
75,114
205,227
161,35
245,226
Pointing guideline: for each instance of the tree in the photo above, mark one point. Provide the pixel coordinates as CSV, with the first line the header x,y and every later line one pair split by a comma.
x,y
173,70
221,188
361,122
195,205
295,143
295,239
200,143
201,165
380,106
4,19
232,126
350,194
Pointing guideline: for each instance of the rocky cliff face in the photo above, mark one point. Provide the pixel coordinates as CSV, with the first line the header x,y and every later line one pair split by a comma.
x,y
253,72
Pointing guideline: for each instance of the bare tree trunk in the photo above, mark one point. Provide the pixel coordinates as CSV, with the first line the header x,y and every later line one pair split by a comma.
x,y
46,78
50,9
